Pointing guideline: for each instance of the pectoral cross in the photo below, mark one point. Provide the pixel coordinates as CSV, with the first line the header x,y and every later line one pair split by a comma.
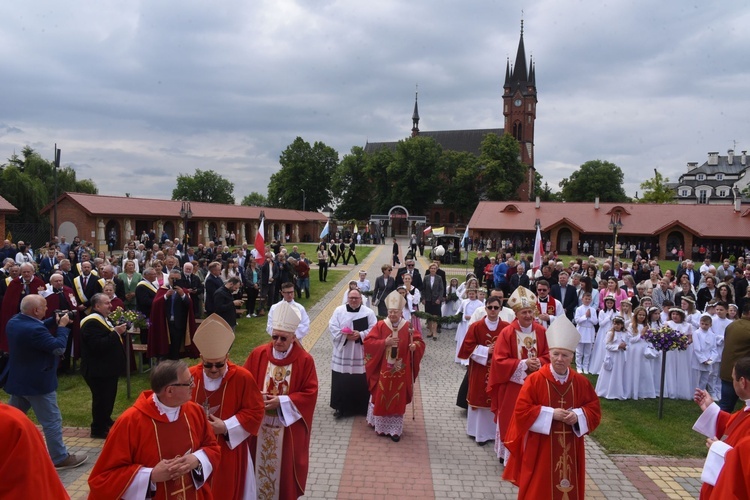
x,y
181,493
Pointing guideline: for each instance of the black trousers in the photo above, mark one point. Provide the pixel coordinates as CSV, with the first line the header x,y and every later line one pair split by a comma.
x,y
252,298
103,394
176,340
322,270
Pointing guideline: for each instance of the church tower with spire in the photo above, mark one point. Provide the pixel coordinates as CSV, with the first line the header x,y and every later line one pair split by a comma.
x,y
415,116
519,110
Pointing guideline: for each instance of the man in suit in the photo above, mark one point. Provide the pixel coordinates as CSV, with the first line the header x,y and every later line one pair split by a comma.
x,y
48,263
519,279
433,293
172,322
693,276
384,285
67,273
102,361
26,284
213,283
269,275
193,286
225,305
566,294
86,286
741,284
416,278
62,298
32,373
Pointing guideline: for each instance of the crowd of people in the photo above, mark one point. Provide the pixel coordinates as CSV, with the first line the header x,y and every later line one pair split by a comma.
x,y
217,429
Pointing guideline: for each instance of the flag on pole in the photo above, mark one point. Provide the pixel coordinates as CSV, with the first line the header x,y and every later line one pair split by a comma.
x,y
260,241
324,232
537,250
427,229
465,239
439,231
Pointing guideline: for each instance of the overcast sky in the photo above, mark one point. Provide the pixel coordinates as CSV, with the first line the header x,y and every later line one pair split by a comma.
x,y
137,92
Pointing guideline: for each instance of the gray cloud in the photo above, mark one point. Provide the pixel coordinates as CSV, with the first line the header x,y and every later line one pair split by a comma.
x,y
146,90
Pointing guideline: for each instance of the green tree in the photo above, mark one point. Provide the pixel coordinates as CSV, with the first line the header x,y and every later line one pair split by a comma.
x,y
303,167
414,175
546,194
28,183
459,188
351,185
503,171
255,199
206,186
655,190
595,178
376,172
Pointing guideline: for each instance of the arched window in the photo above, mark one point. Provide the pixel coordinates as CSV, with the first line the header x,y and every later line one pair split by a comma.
x,y
518,131
436,218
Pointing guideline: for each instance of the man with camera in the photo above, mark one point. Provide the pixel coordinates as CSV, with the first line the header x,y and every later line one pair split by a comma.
x,y
62,298
32,372
102,362
172,321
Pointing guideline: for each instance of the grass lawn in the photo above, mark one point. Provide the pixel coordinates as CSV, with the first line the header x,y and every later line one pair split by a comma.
x,y
74,397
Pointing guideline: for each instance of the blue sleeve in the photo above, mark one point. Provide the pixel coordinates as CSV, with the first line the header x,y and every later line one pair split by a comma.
x,y
41,339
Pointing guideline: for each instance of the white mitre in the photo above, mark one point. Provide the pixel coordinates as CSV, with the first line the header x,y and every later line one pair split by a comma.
x,y
286,317
561,334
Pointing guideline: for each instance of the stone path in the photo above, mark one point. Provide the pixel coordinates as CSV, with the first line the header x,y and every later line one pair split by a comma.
x,y
435,459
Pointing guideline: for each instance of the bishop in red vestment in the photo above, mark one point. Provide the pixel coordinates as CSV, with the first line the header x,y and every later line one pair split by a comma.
x,y
520,349
281,449
393,352
724,432
478,347
24,285
162,443
734,481
233,405
25,465
555,408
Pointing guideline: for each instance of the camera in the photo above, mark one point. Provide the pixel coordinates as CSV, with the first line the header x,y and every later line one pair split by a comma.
x,y
62,312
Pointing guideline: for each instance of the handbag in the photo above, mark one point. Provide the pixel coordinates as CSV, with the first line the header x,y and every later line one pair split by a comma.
x,y
650,352
608,363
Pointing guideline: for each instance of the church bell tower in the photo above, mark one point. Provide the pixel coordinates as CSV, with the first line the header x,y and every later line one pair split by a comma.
x,y
519,110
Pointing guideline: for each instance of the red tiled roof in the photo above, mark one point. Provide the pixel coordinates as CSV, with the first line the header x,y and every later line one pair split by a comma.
x,y
5,206
706,221
100,205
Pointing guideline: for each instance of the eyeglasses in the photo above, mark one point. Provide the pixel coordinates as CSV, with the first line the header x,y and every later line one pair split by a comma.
x,y
208,366
409,265
279,337
191,384
492,307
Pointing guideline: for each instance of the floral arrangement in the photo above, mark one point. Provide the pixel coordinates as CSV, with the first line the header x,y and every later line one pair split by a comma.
x,y
131,318
452,297
666,339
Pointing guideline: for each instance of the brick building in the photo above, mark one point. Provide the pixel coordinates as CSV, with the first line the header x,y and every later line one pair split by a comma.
x,y
720,228
5,209
94,217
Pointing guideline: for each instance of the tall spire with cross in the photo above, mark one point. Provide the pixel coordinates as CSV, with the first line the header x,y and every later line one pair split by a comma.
x,y
415,115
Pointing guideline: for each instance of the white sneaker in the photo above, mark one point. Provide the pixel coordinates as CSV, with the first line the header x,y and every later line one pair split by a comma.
x,y
580,371
250,315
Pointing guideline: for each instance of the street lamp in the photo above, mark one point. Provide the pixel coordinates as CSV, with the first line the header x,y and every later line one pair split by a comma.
x,y
303,199
615,224
185,214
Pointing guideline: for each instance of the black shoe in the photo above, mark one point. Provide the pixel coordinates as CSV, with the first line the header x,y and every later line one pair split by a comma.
x,y
483,443
338,414
72,461
395,439
99,435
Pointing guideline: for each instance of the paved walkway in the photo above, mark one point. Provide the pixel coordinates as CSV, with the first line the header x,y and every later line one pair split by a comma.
x,y
435,459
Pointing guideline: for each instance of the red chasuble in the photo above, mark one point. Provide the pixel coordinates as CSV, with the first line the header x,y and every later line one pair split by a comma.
x,y
303,392
53,304
509,351
734,480
550,466
238,395
479,334
389,377
158,332
141,437
730,428
12,304
25,466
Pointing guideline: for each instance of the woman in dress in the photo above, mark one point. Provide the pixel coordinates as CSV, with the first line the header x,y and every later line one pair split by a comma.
x,y
678,382
450,306
612,382
461,292
130,279
605,323
130,257
654,323
413,298
161,276
468,306
613,290
692,315
626,311
640,369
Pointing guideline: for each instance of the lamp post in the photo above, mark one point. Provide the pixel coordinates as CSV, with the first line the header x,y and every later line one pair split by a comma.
x,y
303,199
186,214
56,167
615,224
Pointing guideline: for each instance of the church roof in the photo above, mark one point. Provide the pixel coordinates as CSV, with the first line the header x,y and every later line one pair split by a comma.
x,y
722,167
705,221
6,206
101,205
469,141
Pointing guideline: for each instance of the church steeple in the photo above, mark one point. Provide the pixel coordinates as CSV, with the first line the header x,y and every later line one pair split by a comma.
x,y
415,115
